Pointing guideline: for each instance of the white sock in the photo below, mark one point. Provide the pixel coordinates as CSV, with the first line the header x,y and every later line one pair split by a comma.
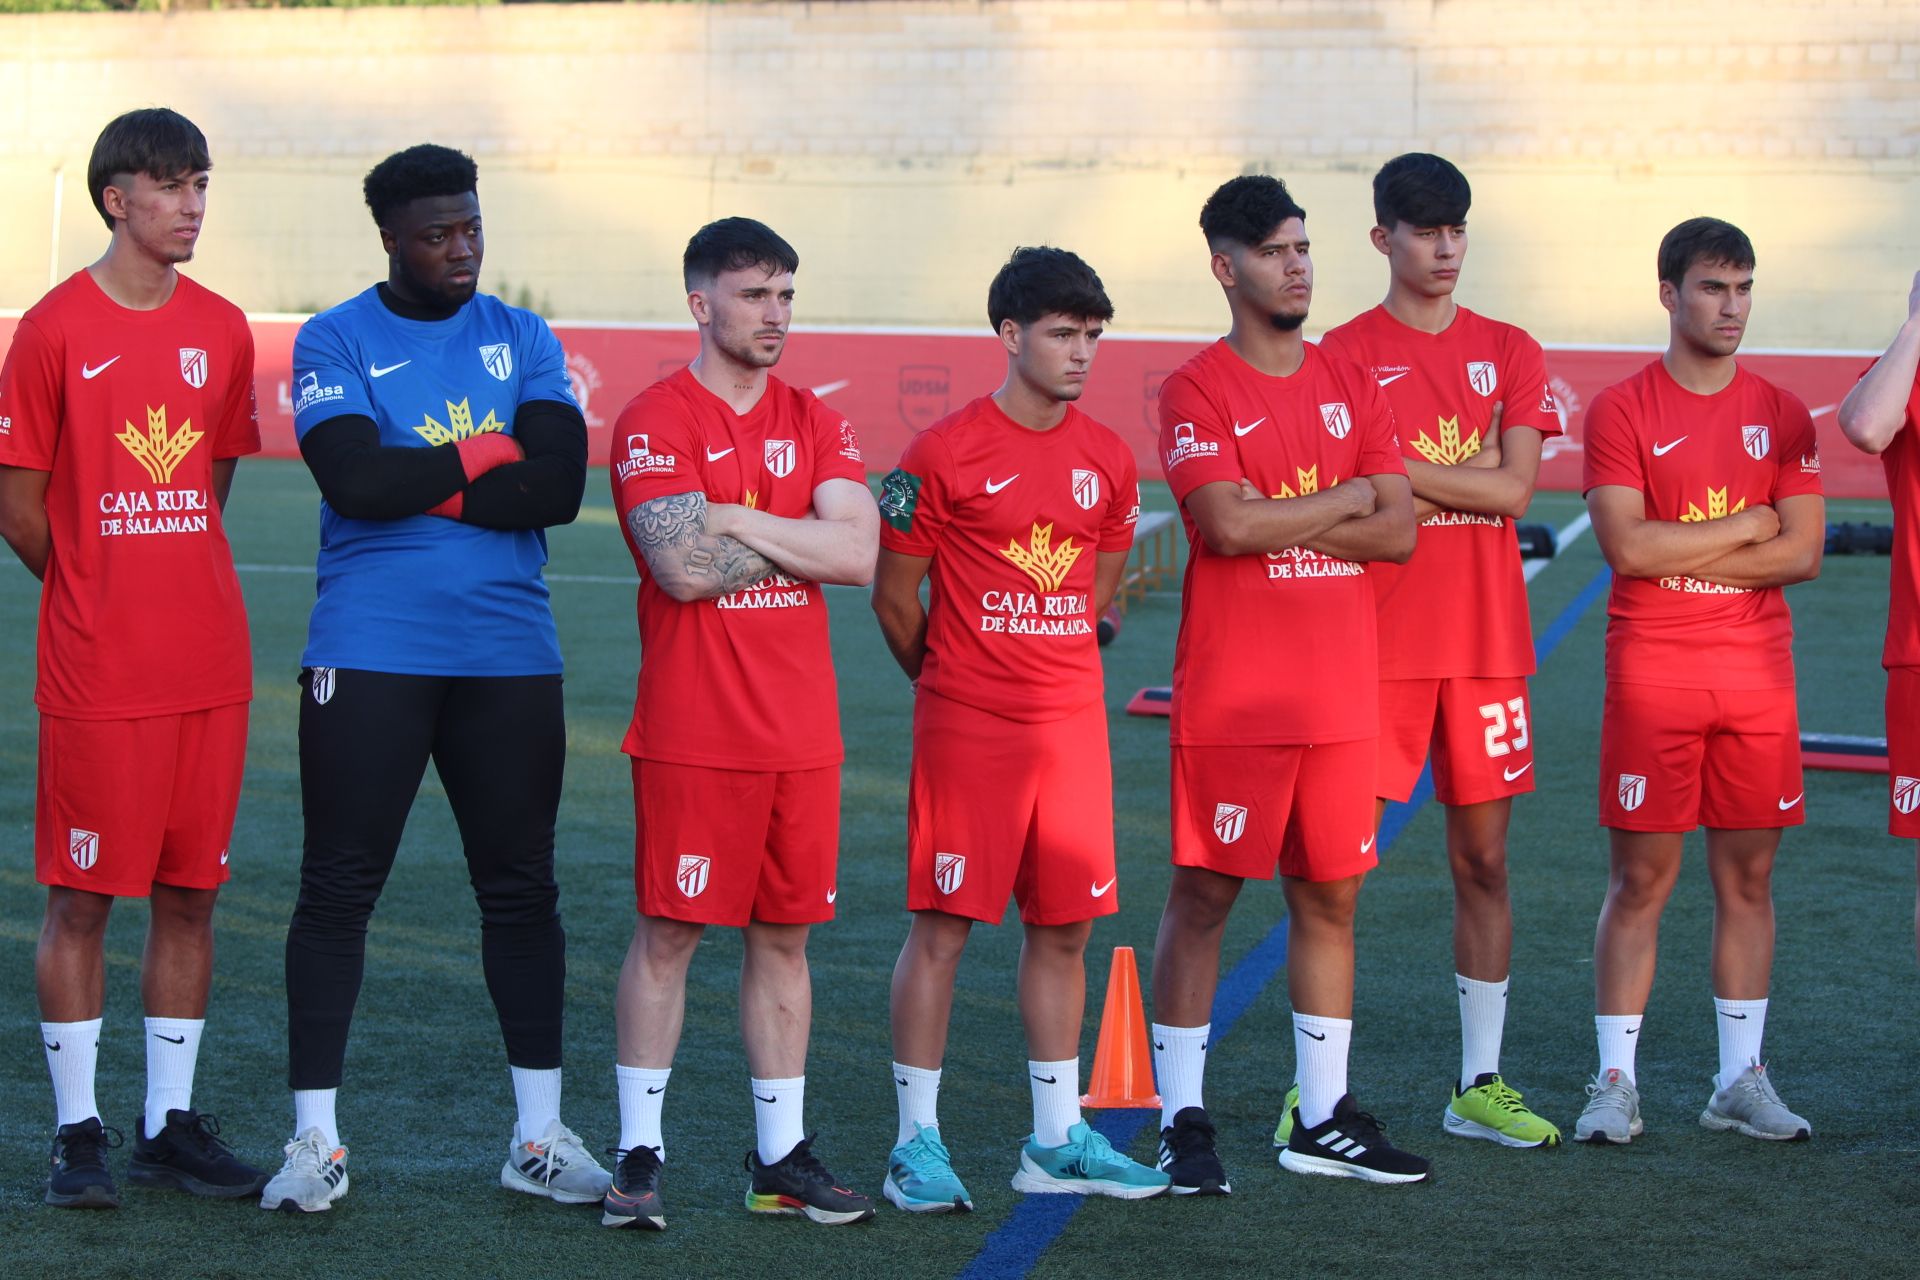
x,y
313,1109
1483,1019
1741,1024
173,1046
1179,1067
642,1094
777,1118
1619,1036
72,1049
1320,1050
917,1090
1056,1099
536,1096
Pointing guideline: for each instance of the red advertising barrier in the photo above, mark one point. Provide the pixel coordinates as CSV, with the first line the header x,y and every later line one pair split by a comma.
x,y
892,384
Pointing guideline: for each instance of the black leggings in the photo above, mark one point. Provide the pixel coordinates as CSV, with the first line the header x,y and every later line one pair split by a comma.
x,y
499,744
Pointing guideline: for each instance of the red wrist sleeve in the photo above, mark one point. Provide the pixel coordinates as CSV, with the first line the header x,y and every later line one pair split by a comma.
x,y
482,453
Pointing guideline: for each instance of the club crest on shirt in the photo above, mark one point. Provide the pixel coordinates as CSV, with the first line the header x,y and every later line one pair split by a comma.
x,y
1086,488
1906,793
780,455
692,874
1482,376
1229,821
83,847
1336,419
498,359
1633,791
1756,440
949,870
322,686
193,366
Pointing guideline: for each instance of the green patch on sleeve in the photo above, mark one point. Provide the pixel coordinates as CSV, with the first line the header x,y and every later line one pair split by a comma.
x,y
899,496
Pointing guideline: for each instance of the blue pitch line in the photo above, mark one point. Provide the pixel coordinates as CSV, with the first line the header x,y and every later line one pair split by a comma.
x,y
1014,1248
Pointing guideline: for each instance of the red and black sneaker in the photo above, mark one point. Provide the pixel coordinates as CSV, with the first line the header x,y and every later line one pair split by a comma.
x,y
634,1197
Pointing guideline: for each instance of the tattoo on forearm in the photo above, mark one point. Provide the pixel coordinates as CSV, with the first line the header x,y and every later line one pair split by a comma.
x,y
675,528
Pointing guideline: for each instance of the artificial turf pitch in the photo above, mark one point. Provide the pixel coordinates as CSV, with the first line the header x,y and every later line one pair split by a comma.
x,y
427,1108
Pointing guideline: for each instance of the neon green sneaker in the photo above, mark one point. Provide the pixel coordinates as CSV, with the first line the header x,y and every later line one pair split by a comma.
x,y
1284,1130
1492,1110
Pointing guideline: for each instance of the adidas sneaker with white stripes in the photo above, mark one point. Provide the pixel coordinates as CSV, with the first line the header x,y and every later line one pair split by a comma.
x,y
1351,1144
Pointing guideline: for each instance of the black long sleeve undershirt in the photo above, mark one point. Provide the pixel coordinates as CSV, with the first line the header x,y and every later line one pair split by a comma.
x,y
546,488
362,479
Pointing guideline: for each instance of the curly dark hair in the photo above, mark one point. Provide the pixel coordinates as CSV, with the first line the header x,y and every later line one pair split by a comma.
x,y
419,171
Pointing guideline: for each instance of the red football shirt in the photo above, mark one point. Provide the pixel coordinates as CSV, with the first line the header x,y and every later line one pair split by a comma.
x,y
140,613
1273,649
744,681
1902,461
1010,517
1696,457
1459,607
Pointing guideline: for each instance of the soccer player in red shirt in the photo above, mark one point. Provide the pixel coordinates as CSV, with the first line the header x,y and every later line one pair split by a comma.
x,y
1011,788
1289,478
1472,402
1882,415
740,496
1703,482
125,402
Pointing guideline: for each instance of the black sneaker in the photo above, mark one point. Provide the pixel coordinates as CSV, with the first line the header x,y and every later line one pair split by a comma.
x,y
634,1197
77,1176
799,1185
1351,1144
1188,1157
187,1153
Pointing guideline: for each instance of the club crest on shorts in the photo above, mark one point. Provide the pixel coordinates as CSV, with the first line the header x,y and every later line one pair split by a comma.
x,y
1229,822
1482,376
1336,419
1086,488
949,869
193,366
1756,440
498,358
1633,791
1906,793
322,686
780,454
83,847
692,874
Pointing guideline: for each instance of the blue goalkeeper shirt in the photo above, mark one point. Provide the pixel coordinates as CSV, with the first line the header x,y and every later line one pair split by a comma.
x,y
426,595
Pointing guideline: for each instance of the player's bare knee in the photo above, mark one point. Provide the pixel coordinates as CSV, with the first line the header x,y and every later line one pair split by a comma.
x,y
76,914
186,910
1481,868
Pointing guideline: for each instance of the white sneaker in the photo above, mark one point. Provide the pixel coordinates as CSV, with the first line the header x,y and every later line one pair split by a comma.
x,y
314,1176
1612,1113
1752,1106
556,1166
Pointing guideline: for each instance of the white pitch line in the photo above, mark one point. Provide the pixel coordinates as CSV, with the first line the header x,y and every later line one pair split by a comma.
x,y
1575,527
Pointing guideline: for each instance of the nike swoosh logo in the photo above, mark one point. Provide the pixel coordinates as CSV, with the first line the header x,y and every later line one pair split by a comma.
x,y
378,372
1048,1079
223,857
1366,846
1788,804
995,488
1737,1017
832,894
54,1047
656,1088
1317,1035
1662,450
767,1100
1100,890
1158,1045
170,1039
1511,774
897,1080
1633,1031
1251,426
90,372
1393,377
827,389
715,457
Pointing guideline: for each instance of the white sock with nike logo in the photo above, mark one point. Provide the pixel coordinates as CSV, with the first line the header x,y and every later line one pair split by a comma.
x,y
1056,1099
72,1049
1483,1024
1741,1024
173,1047
643,1091
778,1123
1320,1056
917,1091
1180,1067
1619,1036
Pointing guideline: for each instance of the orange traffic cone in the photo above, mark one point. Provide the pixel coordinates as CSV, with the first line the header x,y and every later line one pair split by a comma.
x,y
1122,1067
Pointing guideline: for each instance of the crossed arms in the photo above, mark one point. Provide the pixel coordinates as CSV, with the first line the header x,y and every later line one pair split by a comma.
x,y
1761,546
699,550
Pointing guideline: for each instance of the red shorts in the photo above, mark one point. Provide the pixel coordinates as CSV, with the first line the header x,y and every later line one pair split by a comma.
x,y
1309,809
998,806
1903,752
1676,759
123,805
728,846
1477,728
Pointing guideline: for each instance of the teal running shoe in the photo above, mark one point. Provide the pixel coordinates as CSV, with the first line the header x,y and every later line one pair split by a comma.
x,y
1086,1165
920,1177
